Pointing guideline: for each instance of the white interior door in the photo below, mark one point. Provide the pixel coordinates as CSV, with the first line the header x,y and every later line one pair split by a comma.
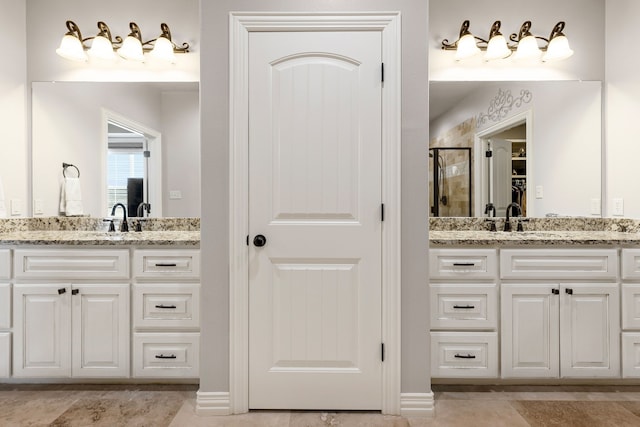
x,y
501,175
315,195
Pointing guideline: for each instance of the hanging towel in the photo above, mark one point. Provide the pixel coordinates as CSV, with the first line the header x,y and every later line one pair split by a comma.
x,y
71,197
3,206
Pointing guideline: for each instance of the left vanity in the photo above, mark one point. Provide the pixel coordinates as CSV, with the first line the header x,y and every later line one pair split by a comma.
x,y
97,305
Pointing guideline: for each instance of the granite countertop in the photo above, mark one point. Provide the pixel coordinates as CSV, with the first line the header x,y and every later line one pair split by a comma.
x,y
532,238
100,238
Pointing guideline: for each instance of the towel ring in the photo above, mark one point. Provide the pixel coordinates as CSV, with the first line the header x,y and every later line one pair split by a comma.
x,y
66,165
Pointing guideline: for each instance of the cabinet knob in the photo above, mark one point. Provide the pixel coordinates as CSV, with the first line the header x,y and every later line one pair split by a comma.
x,y
569,291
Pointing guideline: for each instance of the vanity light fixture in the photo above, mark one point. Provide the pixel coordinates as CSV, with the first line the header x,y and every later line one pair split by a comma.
x,y
524,45
161,47
102,46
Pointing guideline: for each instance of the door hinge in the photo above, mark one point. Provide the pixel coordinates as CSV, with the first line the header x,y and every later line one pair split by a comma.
x,y
382,212
382,72
146,153
488,153
382,351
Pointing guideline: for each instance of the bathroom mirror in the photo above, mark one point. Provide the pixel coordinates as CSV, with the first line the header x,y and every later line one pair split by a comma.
x,y
73,123
544,138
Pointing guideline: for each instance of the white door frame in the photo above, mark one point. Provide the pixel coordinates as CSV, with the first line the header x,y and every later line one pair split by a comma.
x,y
240,25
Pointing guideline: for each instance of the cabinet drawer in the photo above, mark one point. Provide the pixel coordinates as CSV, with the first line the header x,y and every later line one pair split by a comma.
x,y
5,263
630,306
5,306
463,263
162,263
631,355
630,263
464,306
166,305
464,354
5,354
71,264
164,355
558,264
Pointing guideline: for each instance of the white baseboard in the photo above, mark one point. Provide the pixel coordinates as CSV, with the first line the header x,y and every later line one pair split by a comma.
x,y
417,404
213,403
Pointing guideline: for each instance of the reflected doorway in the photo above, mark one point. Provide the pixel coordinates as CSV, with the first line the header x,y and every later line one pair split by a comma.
x,y
133,167
506,166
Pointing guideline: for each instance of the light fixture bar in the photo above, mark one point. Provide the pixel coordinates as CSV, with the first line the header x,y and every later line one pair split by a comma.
x,y
523,43
102,45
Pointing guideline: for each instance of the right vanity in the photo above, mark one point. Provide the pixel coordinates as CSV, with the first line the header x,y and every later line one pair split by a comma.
x,y
559,300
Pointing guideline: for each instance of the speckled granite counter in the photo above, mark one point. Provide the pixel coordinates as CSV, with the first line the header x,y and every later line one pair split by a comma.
x,y
100,238
533,238
92,231
538,232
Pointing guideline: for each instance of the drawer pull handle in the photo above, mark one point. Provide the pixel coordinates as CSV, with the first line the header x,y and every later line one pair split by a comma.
x,y
166,264
464,356
62,291
162,356
166,306
464,264
466,307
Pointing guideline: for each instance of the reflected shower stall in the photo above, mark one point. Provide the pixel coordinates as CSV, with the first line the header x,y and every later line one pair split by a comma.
x,y
450,181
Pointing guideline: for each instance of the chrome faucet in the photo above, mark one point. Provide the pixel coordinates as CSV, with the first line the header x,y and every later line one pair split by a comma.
x,y
510,208
123,225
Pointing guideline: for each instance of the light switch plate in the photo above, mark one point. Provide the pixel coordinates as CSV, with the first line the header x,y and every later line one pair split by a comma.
x,y
175,194
38,206
539,192
16,207
618,206
595,207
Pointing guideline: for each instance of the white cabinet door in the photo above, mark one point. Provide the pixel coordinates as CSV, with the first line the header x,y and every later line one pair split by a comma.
x,y
100,319
42,330
590,330
530,331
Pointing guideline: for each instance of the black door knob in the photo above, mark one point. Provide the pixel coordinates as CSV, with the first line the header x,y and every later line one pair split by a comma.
x,y
259,240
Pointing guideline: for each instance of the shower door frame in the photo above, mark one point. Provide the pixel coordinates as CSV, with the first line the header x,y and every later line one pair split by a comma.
x,y
435,213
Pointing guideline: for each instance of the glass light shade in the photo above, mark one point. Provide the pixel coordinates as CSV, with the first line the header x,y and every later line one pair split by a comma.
x,y
527,49
102,48
71,48
131,49
163,49
558,49
497,48
466,47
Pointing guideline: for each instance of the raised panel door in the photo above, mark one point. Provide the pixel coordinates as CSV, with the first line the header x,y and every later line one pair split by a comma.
x,y
315,192
590,330
42,330
530,341
101,333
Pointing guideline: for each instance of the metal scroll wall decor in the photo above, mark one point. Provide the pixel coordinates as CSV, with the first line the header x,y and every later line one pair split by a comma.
x,y
502,104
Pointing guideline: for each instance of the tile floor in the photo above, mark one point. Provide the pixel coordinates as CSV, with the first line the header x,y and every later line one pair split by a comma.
x,y
173,406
